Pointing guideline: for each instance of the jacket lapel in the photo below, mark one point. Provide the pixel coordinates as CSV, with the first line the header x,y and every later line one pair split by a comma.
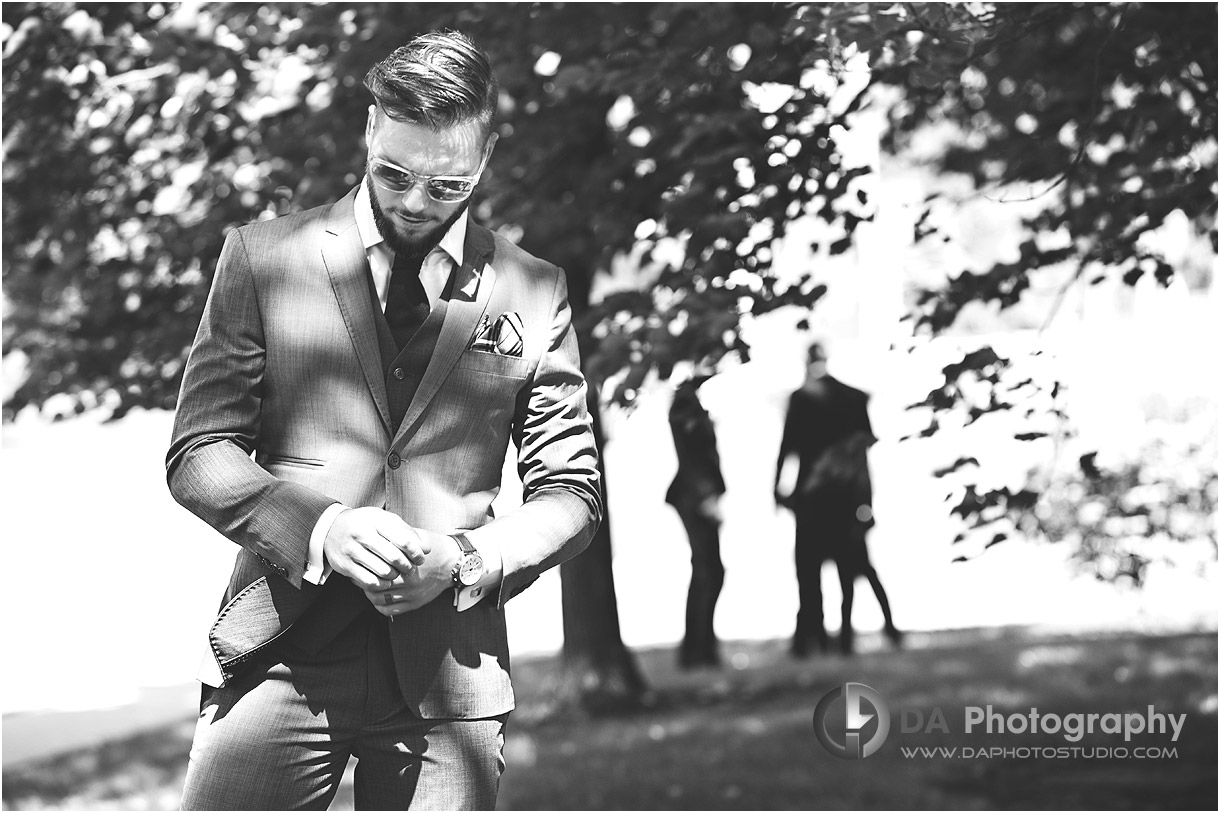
x,y
347,264
471,293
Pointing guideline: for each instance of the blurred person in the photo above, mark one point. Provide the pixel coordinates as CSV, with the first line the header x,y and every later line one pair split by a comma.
x,y
695,494
827,427
344,418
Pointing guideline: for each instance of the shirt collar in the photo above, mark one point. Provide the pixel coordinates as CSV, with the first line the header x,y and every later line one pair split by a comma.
x,y
453,243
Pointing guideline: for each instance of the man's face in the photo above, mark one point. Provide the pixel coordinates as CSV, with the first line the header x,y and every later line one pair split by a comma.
x,y
413,223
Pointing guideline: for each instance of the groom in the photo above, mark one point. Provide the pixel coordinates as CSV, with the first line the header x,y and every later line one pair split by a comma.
x,y
345,412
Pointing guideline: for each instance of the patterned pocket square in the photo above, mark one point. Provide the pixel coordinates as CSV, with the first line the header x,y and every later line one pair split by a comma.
x,y
509,335
502,337
484,339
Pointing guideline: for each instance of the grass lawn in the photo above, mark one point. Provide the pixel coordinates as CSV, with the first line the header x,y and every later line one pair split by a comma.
x,y
742,737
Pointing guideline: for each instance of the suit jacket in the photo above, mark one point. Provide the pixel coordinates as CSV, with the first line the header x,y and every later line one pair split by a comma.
x,y
827,426
698,476
284,411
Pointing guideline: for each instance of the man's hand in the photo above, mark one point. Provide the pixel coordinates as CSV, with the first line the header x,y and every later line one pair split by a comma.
x,y
710,508
422,583
373,547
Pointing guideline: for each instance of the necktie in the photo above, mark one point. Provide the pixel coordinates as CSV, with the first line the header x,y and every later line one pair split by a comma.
x,y
406,305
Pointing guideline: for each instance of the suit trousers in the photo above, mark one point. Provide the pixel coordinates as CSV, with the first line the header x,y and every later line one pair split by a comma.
x,y
279,736
699,645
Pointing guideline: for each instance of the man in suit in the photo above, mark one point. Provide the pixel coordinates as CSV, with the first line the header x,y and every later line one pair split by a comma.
x,y
827,427
344,416
695,493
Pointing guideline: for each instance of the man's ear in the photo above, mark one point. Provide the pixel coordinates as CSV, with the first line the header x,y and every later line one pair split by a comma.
x,y
489,146
369,124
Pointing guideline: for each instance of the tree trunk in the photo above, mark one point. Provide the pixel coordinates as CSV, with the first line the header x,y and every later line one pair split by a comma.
x,y
598,671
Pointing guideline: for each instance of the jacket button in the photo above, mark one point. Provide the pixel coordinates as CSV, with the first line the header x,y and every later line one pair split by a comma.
x,y
399,373
394,460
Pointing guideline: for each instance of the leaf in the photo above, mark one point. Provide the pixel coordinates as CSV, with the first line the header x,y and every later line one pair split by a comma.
x,y
982,359
955,466
1088,466
840,246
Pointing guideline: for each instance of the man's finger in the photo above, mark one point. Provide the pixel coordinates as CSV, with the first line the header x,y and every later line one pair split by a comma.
x,y
374,561
416,553
390,556
364,579
390,603
370,572
405,538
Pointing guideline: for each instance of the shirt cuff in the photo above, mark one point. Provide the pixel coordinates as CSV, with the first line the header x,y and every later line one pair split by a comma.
x,y
317,569
493,574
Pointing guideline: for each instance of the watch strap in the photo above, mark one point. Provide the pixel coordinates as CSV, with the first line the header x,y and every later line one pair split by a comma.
x,y
465,544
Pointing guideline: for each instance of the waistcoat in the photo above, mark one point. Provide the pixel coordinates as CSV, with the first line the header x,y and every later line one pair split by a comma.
x,y
342,602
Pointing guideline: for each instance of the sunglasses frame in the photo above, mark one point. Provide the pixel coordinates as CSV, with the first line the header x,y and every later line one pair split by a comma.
x,y
417,178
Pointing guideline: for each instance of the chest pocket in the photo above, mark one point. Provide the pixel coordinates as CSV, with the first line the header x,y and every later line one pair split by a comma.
x,y
494,364
484,388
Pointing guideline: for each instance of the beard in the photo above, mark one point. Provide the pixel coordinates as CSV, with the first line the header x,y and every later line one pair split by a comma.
x,y
402,245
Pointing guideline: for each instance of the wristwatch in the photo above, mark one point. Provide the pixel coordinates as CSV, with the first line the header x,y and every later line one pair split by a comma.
x,y
469,568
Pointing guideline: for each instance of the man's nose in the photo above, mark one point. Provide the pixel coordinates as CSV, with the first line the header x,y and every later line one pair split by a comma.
x,y
415,199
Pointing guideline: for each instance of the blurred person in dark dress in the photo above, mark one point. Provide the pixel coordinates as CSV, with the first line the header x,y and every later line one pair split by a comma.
x,y
695,493
827,427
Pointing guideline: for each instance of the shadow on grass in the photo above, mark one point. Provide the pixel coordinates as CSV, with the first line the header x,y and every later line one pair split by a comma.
x,y
742,737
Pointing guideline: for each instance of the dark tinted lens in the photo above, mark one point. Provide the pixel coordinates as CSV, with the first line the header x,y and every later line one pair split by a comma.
x,y
393,179
449,189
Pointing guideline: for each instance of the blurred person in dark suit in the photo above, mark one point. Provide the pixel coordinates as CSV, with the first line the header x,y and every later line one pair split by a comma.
x,y
695,493
358,373
827,427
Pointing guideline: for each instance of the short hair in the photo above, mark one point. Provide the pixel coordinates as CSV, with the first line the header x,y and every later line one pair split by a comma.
x,y
439,79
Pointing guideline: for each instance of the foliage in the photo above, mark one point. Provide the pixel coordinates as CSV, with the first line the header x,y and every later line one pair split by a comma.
x,y
1105,111
137,134
1119,510
117,127
1103,114
1117,515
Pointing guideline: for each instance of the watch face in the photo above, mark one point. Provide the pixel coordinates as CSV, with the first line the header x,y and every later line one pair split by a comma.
x,y
471,570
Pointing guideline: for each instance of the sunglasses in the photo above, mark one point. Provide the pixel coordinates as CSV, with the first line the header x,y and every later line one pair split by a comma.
x,y
441,188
